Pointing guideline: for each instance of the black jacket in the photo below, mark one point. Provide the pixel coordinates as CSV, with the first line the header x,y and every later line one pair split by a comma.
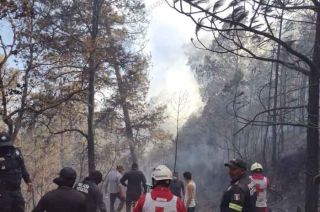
x,y
94,198
239,197
176,187
63,199
12,168
134,180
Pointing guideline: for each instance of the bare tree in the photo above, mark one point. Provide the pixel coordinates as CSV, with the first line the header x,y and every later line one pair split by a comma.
x,y
178,103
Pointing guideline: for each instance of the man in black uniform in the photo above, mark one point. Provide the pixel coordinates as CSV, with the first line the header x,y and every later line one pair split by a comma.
x,y
134,180
89,187
12,170
64,198
241,195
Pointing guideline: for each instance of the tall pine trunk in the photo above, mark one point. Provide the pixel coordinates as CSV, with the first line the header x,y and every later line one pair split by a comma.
x,y
312,162
92,63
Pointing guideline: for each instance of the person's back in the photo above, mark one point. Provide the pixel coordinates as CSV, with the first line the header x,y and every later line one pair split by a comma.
x,y
176,186
62,199
160,198
89,187
134,180
113,180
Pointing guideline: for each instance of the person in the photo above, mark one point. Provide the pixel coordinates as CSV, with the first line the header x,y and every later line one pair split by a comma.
x,y
89,187
114,186
240,195
12,171
262,183
176,186
134,180
191,188
160,198
64,198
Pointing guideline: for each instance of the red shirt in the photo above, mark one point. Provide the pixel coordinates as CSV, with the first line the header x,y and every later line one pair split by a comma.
x,y
160,192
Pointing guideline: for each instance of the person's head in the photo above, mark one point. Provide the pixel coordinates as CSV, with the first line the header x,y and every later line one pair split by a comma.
x,y
120,168
67,177
237,168
5,139
134,166
95,176
187,176
161,176
256,168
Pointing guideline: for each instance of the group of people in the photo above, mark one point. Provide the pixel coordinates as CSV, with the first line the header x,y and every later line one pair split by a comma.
x,y
165,186
168,194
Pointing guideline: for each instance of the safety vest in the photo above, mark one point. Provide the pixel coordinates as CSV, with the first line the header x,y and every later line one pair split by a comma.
x,y
261,188
159,205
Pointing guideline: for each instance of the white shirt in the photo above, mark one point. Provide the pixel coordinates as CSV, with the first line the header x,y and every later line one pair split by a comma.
x,y
113,180
193,200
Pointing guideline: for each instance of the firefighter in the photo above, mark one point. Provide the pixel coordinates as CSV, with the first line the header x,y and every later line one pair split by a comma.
x,y
12,170
240,195
262,184
160,198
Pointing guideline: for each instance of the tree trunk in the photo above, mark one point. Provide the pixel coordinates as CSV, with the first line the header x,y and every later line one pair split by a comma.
x,y
312,163
91,90
127,120
177,139
275,103
90,139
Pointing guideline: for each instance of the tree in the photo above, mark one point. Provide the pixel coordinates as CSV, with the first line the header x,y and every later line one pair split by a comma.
x,y
240,22
179,103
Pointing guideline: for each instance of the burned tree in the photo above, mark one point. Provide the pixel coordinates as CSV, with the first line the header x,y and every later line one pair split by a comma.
x,y
245,28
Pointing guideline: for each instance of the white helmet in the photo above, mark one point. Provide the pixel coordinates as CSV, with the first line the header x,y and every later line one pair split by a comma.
x,y
256,166
161,172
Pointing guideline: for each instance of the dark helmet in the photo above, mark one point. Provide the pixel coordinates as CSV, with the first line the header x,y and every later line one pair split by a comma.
x,y
5,139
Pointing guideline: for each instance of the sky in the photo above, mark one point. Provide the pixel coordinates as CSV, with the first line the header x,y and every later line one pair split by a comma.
x,y
168,33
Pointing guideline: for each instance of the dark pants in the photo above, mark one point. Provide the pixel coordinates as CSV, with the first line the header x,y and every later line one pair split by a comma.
x,y
131,199
191,209
113,198
11,201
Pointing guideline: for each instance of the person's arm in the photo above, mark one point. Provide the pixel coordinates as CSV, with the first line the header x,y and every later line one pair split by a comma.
x,y
190,190
25,174
139,205
124,179
106,185
120,190
144,183
182,189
